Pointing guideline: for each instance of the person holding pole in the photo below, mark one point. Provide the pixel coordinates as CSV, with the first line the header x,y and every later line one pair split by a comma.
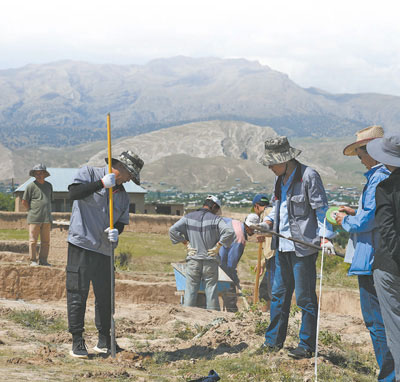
x,y
298,212
260,203
90,244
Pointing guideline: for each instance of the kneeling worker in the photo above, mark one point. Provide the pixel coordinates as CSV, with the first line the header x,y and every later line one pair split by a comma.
x,y
203,232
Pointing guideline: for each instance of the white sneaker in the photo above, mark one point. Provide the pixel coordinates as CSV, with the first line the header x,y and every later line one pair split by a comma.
x,y
34,263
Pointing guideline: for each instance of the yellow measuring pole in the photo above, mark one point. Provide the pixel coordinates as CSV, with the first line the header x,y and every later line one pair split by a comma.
x,y
110,169
110,192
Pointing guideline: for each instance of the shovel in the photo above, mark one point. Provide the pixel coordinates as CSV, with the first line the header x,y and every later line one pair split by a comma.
x,y
259,231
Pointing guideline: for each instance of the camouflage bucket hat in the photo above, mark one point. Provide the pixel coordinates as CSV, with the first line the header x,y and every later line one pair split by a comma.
x,y
278,150
132,163
39,167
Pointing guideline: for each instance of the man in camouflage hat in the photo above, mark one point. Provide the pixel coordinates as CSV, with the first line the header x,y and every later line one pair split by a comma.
x,y
90,242
37,200
298,212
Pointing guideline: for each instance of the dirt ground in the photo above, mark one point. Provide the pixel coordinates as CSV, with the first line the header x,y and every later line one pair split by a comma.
x,y
161,338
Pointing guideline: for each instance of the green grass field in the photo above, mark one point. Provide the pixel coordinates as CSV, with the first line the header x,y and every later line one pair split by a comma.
x,y
14,234
154,253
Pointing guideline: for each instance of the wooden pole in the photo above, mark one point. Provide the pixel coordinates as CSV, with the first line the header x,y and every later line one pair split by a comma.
x,y
257,283
111,204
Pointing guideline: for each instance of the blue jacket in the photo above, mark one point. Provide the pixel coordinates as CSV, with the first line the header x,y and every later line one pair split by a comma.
x,y
364,233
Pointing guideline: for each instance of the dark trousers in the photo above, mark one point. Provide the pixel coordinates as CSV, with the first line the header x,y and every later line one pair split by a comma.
x,y
83,267
265,290
371,312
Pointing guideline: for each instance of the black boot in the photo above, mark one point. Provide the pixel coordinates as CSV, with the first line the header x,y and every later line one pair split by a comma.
x,y
79,349
104,345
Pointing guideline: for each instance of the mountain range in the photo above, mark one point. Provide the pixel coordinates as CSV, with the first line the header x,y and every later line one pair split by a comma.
x,y
200,156
65,103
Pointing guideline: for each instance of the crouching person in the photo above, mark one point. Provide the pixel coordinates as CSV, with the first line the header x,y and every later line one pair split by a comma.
x,y
90,242
203,233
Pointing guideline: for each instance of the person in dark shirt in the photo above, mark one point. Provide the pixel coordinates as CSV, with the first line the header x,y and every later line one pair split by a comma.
x,y
386,267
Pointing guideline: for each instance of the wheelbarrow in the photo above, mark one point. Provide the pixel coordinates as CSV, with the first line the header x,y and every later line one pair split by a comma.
x,y
223,285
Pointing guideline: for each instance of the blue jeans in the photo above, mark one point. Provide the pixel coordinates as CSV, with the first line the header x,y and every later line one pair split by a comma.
x,y
196,271
297,274
371,312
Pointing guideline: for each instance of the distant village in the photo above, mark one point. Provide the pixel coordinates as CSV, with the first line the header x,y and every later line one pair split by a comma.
x,y
168,200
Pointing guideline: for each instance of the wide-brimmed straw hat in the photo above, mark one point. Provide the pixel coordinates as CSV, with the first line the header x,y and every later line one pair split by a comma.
x,y
278,150
385,150
363,137
131,162
39,167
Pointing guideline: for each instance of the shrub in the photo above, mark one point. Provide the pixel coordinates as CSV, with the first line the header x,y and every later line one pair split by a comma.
x,y
36,320
328,338
6,202
123,260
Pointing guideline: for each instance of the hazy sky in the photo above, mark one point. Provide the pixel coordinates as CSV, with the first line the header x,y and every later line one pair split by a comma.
x,y
340,46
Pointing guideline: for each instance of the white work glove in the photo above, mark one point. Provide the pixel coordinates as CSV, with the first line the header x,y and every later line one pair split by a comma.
x,y
112,234
214,251
329,248
190,250
108,180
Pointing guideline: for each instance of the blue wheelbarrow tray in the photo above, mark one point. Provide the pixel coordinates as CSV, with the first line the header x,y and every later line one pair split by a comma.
x,y
224,281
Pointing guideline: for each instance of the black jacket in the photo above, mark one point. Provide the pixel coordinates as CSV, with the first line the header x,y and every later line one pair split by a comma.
x,y
387,216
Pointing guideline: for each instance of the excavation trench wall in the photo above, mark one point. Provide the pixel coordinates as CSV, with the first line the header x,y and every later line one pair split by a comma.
x,y
48,284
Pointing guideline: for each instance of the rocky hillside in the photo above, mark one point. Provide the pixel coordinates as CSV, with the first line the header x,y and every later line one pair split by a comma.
x,y
232,139
211,155
65,103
